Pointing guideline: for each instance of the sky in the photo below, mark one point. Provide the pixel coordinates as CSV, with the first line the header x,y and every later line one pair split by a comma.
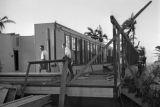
x,y
80,14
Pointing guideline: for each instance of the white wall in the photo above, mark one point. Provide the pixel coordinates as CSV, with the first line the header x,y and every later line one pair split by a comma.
x,y
41,38
6,53
27,52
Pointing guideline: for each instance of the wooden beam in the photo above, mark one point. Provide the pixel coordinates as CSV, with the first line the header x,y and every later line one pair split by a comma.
x,y
63,85
141,10
46,61
25,81
49,48
102,92
30,101
113,21
115,59
121,30
55,41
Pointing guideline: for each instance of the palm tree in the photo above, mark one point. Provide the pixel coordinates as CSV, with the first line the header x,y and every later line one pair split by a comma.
x,y
130,29
92,33
3,21
100,34
157,48
96,34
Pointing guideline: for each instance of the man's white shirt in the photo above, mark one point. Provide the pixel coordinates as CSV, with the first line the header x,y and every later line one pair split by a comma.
x,y
44,55
67,52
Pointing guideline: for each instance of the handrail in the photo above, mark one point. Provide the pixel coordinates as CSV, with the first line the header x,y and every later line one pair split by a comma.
x,y
28,68
46,61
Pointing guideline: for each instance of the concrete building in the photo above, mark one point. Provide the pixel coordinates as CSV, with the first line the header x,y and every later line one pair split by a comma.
x,y
15,52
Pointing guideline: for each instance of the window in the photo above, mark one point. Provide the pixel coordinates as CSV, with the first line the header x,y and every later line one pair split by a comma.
x,y
99,56
79,51
87,51
83,54
88,47
94,52
91,49
73,50
68,41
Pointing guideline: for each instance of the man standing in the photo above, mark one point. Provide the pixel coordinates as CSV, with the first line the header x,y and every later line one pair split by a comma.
x,y
44,56
67,56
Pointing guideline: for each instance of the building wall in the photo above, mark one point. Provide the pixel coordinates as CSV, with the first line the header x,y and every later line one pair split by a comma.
x,y
41,38
27,52
57,33
6,53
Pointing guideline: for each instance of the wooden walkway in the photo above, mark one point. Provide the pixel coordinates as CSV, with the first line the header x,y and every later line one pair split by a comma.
x,y
92,85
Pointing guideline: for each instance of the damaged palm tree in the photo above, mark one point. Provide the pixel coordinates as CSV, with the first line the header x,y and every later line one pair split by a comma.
x,y
4,21
130,29
157,48
96,34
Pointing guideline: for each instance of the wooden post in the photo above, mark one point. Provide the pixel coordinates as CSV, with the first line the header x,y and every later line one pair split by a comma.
x,y
115,61
63,84
49,49
26,80
139,12
118,58
55,34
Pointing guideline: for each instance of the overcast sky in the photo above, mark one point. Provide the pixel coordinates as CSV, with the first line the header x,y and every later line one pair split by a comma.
x,y
80,14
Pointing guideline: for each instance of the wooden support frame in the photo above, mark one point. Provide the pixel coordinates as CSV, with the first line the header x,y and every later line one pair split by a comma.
x,y
115,59
84,69
28,68
63,79
63,85
116,44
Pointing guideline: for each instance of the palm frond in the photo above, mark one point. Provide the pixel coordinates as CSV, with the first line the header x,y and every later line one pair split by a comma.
x,y
4,18
3,21
2,25
105,36
9,21
90,29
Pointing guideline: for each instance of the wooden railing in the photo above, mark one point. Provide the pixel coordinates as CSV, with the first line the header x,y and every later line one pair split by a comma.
x,y
63,78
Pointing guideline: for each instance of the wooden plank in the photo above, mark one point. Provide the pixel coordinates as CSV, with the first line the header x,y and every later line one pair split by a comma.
x,y
3,93
30,101
31,74
49,48
26,79
115,58
141,10
90,92
63,85
46,61
11,94
102,92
